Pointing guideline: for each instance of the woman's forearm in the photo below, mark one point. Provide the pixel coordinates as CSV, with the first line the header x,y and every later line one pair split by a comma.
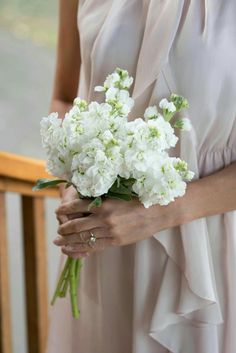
x,y
68,58
60,106
68,61
211,195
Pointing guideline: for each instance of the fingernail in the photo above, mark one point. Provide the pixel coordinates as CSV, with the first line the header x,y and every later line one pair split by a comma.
x,y
56,240
70,248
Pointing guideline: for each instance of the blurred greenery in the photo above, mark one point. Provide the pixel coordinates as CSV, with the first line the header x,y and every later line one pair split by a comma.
x,y
35,19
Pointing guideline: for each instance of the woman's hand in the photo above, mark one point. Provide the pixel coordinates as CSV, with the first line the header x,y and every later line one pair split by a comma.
x,y
114,223
67,195
118,222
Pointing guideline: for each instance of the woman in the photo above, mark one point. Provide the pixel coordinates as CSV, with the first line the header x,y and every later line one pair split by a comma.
x,y
162,279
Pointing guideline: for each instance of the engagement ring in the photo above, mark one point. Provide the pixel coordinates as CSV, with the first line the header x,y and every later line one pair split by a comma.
x,y
92,240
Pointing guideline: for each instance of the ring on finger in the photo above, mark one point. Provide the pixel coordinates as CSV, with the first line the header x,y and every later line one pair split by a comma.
x,y
92,240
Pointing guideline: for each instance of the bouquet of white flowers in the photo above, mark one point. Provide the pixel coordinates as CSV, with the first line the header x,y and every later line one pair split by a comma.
x,y
102,155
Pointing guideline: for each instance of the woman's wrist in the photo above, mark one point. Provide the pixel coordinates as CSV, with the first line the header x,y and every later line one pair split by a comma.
x,y
60,106
191,204
62,190
184,209
159,218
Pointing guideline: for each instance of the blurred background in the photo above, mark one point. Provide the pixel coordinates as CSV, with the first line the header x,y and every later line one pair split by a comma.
x,y
28,30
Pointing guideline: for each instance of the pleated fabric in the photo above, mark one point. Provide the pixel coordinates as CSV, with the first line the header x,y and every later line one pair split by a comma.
x,y
174,292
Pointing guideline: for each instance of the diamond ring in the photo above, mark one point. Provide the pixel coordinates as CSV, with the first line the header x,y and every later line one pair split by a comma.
x,y
92,240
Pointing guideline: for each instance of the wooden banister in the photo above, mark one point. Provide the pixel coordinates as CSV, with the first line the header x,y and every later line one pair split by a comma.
x,y
21,168
18,174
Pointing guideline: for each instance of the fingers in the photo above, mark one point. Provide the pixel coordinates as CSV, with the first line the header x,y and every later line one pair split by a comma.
x,y
78,205
68,194
73,215
81,237
74,234
79,225
62,219
81,248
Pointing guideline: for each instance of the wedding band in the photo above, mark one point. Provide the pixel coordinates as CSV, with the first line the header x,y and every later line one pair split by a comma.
x,y
92,240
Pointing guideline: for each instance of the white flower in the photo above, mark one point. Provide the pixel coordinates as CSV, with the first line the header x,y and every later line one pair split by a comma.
x,y
80,103
111,94
145,144
166,137
99,89
119,79
127,82
95,143
151,113
96,168
126,102
169,106
182,168
112,80
120,100
50,130
161,184
107,136
55,142
183,124
187,126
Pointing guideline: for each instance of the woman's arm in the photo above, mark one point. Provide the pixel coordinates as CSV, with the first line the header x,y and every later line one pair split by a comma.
x,y
68,58
211,195
125,223
67,67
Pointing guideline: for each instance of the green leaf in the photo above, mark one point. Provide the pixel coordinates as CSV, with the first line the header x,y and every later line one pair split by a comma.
x,y
119,196
47,183
95,203
119,188
118,181
127,182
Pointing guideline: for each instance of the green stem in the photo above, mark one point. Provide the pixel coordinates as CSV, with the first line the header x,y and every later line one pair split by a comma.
x,y
73,290
61,279
79,264
65,284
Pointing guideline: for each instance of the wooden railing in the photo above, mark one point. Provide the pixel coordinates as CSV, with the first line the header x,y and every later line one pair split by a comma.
x,y
18,175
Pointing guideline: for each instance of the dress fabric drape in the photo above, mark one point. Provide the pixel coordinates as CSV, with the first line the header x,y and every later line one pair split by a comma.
x,y
174,292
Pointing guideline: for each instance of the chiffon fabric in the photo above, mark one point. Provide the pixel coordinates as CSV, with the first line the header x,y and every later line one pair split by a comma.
x,y
174,292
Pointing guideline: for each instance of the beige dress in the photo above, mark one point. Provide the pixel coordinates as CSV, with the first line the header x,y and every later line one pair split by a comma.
x,y
174,292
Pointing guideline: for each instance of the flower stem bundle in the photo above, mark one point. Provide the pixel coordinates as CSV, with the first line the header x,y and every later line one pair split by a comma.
x,y
69,278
